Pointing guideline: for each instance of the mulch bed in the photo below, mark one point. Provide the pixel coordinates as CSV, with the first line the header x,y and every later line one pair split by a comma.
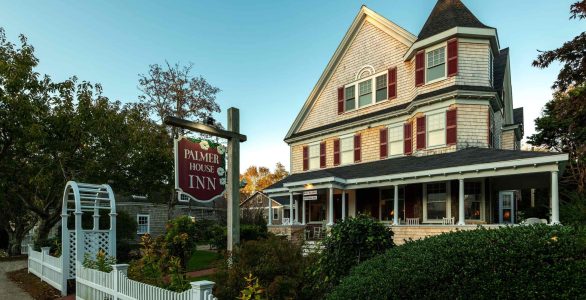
x,y
33,285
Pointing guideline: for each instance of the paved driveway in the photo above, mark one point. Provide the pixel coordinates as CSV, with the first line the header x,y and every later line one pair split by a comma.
x,y
8,289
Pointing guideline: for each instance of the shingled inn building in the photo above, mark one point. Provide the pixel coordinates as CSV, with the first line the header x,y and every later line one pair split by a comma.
x,y
419,132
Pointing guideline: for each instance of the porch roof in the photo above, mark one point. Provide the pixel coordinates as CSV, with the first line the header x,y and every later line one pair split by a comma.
x,y
458,162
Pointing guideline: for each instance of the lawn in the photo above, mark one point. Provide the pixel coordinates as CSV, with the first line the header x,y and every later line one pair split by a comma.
x,y
201,260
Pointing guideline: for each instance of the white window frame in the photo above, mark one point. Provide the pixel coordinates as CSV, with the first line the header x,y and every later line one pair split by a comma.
x,y
148,224
431,49
482,200
342,138
309,157
398,126
275,213
356,85
427,128
448,203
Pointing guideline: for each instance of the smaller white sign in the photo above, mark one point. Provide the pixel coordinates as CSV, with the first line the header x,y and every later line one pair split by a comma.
x,y
312,192
309,198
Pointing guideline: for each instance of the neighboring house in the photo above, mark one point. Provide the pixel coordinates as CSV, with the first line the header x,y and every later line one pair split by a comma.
x,y
152,217
260,201
415,130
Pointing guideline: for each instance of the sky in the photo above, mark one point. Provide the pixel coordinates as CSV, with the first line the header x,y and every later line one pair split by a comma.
x,y
265,56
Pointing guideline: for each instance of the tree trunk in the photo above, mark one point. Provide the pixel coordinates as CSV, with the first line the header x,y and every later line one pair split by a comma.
x,y
14,240
45,226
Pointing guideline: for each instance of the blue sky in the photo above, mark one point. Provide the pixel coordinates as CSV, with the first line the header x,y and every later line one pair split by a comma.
x,y
266,56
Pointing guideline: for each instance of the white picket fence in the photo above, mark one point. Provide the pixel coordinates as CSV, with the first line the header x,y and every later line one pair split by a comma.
x,y
48,268
93,285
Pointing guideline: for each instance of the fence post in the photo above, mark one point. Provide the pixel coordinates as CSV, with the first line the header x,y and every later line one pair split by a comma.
x,y
118,269
44,252
199,289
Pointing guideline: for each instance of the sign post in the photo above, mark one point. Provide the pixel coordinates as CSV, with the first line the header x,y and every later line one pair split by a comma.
x,y
198,165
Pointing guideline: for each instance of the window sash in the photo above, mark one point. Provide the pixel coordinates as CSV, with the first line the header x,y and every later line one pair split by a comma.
x,y
381,88
396,140
365,93
436,64
143,224
350,98
346,150
314,157
436,129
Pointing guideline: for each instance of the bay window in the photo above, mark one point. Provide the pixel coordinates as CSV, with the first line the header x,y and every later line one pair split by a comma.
x,y
436,64
436,129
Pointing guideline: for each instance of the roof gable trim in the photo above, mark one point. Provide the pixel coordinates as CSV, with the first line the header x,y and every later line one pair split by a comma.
x,y
365,14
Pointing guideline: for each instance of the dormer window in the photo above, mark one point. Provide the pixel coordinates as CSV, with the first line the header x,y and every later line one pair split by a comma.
x,y
436,64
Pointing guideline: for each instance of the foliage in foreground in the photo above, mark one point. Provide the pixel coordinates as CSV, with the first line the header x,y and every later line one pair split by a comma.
x,y
351,241
102,262
537,262
181,238
277,263
253,290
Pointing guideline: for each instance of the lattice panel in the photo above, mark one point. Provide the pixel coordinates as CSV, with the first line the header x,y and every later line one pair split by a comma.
x,y
94,241
72,247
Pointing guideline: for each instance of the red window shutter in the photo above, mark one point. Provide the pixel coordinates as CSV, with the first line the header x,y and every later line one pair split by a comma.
x,y
420,68
384,144
305,158
357,148
408,138
322,155
453,57
451,126
340,100
337,152
392,80
421,133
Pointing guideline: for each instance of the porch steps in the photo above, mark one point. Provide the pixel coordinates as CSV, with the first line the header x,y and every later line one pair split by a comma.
x,y
311,247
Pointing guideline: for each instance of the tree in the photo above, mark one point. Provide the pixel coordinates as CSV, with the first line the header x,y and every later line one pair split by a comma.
x,y
562,125
572,54
171,90
259,178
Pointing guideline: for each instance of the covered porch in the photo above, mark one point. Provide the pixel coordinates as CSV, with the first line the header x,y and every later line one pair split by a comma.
x,y
443,192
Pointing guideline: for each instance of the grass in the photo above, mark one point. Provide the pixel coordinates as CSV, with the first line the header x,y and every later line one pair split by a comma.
x,y
201,260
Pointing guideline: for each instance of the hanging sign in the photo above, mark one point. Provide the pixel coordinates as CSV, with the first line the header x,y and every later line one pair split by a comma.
x,y
310,195
200,169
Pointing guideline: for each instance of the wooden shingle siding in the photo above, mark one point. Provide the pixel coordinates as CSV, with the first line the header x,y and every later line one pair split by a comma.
x,y
508,140
371,47
472,125
473,65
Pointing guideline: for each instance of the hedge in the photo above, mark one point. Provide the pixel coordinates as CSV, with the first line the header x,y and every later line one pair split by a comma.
x,y
520,262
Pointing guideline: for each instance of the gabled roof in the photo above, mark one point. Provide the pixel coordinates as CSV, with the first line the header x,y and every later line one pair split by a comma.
x,y
499,69
364,14
282,200
448,14
394,166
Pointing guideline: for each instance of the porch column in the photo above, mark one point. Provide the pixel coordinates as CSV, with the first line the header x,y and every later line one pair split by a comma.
x,y
396,206
331,207
461,203
270,211
303,212
290,208
343,204
555,199
296,211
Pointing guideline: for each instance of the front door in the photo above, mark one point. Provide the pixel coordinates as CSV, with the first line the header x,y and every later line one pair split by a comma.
x,y
507,207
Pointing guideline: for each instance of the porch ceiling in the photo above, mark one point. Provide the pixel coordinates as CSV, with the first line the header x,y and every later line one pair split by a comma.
x,y
465,163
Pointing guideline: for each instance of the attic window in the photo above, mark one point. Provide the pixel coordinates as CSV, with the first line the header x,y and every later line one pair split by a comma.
x,y
365,92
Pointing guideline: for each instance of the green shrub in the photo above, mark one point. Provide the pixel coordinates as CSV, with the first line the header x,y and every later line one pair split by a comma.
x,y
350,242
219,237
150,267
249,232
102,262
181,238
521,262
277,263
204,230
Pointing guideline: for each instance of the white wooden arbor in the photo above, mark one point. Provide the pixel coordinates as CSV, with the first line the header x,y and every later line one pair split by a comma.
x,y
79,200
